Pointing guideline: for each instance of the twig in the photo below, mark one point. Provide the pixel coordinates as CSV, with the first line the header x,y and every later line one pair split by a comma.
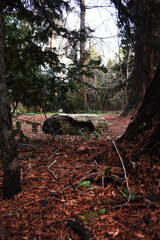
x,y
98,173
118,203
76,167
71,182
51,126
53,153
97,163
125,173
38,168
21,175
48,168
95,209
102,181
28,145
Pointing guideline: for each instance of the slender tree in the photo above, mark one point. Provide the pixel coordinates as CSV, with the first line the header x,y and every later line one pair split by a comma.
x,y
83,44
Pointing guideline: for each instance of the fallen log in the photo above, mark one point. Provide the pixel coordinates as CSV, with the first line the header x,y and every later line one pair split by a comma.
x,y
73,124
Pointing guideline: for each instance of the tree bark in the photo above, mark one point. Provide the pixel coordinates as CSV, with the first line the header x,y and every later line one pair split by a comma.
x,y
146,54
144,131
143,15
11,175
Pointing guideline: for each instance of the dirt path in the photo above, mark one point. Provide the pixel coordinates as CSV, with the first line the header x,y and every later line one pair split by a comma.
x,y
117,124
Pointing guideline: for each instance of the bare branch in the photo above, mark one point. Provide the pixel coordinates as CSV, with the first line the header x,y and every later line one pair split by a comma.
x,y
48,168
125,173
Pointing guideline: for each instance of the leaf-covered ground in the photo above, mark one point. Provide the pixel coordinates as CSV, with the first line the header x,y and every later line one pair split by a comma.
x,y
76,189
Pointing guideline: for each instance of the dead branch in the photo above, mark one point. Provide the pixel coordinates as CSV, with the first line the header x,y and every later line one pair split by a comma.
x,y
71,182
82,179
118,203
148,199
48,168
28,145
76,167
125,173
51,127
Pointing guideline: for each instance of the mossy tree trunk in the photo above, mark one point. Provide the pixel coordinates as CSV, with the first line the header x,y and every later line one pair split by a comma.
x,y
11,175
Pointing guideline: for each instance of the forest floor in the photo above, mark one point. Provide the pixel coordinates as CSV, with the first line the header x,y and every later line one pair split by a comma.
x,y
74,188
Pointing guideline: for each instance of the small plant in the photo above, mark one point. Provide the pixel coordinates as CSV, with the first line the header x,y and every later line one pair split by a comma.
x,y
84,183
102,211
82,134
96,134
107,170
87,218
125,194
86,134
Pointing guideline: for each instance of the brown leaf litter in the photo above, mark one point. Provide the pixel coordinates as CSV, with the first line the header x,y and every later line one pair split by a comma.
x,y
54,204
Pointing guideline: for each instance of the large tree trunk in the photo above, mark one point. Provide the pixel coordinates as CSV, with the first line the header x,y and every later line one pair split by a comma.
x,y
144,35
146,54
145,17
11,176
144,131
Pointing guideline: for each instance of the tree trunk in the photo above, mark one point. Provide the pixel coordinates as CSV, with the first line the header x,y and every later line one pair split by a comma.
x,y
82,46
144,131
11,176
146,54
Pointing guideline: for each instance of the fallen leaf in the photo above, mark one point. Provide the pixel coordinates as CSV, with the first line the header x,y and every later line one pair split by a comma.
x,y
140,235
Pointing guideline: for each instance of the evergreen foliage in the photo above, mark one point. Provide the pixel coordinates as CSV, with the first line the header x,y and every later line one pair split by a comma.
x,y
27,52
35,75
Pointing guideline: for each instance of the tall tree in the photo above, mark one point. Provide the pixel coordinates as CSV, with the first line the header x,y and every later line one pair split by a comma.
x,y
140,23
11,176
146,55
83,44
143,133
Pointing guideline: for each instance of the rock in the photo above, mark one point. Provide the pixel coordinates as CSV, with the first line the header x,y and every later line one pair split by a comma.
x,y
73,123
